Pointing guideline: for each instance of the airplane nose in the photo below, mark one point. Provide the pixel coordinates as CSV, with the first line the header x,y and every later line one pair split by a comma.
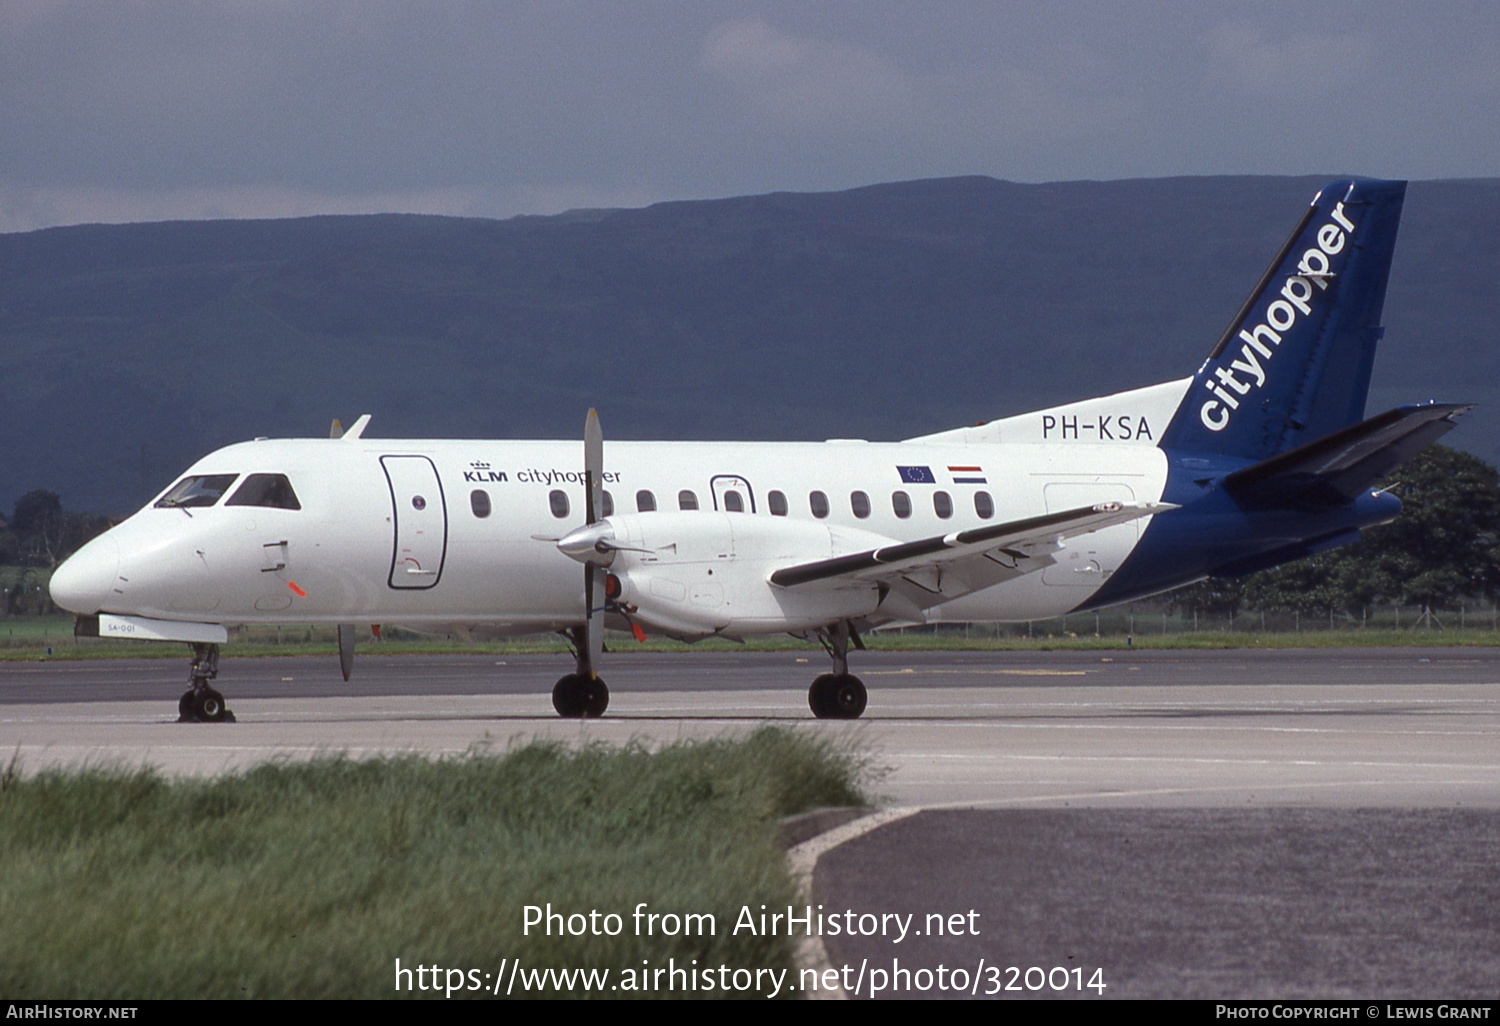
x,y
83,582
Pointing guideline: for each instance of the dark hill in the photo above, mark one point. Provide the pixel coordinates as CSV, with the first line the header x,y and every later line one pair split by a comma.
x,y
881,312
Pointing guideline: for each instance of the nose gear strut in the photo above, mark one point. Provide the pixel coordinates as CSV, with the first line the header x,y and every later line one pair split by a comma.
x,y
201,703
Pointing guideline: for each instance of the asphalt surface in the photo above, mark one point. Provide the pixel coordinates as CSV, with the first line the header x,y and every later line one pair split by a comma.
x,y
1270,903
1321,823
375,675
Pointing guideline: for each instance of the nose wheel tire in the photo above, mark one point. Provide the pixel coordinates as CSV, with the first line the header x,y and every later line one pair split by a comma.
x,y
837,696
576,697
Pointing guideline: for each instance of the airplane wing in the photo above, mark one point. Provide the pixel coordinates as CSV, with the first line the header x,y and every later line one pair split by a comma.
x,y
944,567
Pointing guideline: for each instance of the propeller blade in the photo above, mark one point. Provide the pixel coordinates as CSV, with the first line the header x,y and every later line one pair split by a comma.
x,y
336,429
583,543
593,467
346,649
593,625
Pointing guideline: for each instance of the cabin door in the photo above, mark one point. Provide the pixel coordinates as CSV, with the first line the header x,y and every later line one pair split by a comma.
x,y
419,520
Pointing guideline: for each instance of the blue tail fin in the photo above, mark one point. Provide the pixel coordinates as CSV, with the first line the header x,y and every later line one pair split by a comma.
x,y
1295,363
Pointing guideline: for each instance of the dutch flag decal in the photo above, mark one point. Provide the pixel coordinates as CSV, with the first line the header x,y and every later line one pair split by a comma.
x,y
967,475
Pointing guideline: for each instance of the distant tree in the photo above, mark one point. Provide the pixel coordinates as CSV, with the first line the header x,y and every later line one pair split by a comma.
x,y
1216,597
34,510
1331,582
43,534
1445,545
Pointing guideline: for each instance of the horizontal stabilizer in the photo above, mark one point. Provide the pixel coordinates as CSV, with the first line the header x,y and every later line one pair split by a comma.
x,y
1335,468
890,561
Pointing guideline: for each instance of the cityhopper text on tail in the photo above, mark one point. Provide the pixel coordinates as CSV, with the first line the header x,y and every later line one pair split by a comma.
x,y
1262,455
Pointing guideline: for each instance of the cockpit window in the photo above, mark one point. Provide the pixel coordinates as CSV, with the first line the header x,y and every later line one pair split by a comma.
x,y
201,490
272,490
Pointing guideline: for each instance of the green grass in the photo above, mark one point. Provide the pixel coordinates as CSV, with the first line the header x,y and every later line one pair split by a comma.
x,y
311,879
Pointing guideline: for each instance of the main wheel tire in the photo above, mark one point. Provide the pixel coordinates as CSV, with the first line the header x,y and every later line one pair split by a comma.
x,y
819,696
567,697
209,706
594,697
185,711
847,697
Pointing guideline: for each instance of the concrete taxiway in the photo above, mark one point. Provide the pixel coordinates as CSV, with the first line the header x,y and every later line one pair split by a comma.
x,y
1394,727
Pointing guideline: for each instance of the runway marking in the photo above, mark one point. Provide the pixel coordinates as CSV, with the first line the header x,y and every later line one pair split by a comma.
x,y
1189,760
1079,796
977,673
1146,722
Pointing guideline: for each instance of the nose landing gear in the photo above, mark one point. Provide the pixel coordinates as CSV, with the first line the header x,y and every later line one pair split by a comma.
x,y
201,703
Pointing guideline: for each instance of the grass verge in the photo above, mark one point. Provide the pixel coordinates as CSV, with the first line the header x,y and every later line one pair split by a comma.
x,y
311,879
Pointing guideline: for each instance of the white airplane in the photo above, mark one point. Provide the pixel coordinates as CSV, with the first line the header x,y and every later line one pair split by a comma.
x,y
1260,457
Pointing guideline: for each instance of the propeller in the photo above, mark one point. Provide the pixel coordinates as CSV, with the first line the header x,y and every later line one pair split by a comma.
x,y
593,545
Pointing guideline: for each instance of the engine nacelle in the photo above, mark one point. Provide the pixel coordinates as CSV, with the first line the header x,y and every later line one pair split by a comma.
x,y
699,573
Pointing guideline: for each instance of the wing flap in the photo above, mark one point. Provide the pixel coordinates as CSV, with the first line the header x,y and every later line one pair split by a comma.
x,y
1014,540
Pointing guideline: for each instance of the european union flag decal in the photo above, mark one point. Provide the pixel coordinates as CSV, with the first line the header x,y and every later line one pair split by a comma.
x,y
916,475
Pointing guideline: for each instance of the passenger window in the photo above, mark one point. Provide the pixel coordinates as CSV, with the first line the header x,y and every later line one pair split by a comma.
x,y
270,490
734,502
777,501
901,504
609,505
645,502
204,490
479,502
818,502
558,500
942,504
687,500
984,505
860,503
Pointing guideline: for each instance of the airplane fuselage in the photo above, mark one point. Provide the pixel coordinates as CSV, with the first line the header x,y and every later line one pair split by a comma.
x,y
445,533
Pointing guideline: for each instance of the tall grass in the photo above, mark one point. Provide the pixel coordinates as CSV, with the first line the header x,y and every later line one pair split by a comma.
x,y
311,879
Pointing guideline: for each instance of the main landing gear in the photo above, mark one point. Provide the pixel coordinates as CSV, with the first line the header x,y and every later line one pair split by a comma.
x,y
201,703
580,695
838,695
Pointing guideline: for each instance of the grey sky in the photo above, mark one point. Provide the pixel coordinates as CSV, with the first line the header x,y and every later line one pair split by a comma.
x,y
262,108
